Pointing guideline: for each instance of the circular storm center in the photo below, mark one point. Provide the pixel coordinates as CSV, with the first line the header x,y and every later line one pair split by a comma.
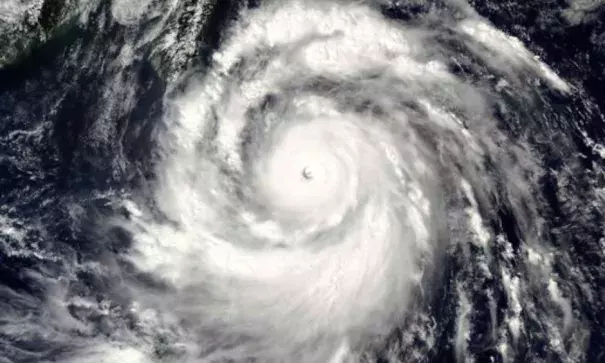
x,y
307,173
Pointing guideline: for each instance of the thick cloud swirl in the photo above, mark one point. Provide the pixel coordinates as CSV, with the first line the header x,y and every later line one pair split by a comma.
x,y
311,178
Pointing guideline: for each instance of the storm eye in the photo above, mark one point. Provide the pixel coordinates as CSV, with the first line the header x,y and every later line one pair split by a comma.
x,y
307,173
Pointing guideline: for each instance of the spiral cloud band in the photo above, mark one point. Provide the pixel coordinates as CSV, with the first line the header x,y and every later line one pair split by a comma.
x,y
311,177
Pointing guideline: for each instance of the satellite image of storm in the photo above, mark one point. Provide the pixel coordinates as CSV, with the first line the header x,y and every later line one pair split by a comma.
x,y
302,181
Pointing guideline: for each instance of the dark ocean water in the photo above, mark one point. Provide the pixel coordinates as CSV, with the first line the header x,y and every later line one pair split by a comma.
x,y
80,115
